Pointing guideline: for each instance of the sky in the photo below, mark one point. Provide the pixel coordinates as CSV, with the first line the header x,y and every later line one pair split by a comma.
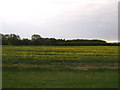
x,y
61,19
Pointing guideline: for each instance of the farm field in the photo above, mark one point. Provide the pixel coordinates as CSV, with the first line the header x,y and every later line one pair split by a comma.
x,y
60,66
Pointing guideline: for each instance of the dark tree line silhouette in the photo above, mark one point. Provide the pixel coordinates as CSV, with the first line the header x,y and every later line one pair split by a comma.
x,y
13,39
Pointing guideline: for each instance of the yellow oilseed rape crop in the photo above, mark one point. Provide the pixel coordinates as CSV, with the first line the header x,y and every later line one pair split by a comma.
x,y
29,54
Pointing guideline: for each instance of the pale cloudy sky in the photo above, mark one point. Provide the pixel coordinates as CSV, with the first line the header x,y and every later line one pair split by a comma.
x,y
67,19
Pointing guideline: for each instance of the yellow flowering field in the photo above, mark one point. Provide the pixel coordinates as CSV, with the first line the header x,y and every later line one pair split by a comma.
x,y
60,66
59,54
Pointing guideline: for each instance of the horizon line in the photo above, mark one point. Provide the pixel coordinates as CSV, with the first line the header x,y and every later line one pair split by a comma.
x,y
108,41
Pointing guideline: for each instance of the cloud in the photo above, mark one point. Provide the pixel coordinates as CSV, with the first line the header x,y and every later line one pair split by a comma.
x,y
61,18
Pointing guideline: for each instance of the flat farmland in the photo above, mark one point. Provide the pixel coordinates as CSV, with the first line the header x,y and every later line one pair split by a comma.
x,y
60,66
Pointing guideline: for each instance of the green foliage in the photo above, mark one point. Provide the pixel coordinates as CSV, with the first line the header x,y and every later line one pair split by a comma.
x,y
12,39
36,36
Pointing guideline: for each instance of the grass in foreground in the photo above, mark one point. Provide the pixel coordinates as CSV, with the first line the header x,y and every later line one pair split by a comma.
x,y
60,79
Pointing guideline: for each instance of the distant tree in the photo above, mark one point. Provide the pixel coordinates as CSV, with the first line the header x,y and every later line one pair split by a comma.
x,y
4,39
1,39
26,41
13,39
36,39
36,36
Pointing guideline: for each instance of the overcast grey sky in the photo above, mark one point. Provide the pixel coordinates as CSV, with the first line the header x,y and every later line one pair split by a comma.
x,y
67,19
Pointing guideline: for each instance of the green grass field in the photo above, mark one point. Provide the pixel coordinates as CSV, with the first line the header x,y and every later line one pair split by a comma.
x,y
60,66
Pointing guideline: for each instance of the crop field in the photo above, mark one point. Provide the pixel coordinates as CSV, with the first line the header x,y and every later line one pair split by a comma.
x,y
60,66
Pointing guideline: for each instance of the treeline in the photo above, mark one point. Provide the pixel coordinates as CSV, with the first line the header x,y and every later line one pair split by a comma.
x,y
13,39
